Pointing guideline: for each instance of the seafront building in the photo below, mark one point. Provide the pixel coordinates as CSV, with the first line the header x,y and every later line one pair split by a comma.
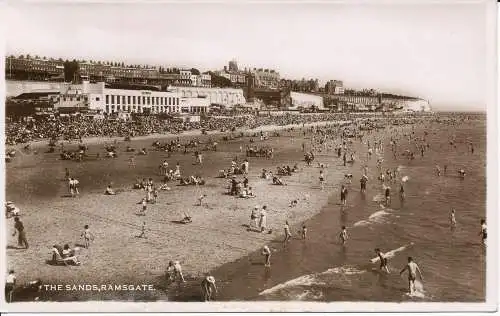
x,y
227,97
108,100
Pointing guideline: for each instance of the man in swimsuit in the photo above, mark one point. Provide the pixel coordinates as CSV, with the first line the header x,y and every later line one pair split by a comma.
x,y
383,260
208,287
267,253
453,221
412,268
363,181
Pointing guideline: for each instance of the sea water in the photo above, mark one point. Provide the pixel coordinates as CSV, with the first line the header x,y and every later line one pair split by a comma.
x,y
452,260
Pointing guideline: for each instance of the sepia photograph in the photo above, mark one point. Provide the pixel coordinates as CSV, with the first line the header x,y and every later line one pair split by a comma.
x,y
250,156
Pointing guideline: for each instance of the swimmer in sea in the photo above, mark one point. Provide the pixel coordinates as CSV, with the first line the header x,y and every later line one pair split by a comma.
x,y
412,268
343,235
387,196
383,260
453,221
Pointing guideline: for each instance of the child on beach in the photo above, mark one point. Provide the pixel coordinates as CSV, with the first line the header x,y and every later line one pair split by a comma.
x,y
144,206
201,198
155,195
143,231
87,236
304,231
321,180
343,235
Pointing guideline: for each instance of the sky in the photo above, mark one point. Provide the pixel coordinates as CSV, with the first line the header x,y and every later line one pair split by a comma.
x,y
436,51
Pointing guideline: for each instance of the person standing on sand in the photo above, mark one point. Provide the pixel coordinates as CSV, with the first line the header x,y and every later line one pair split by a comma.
x,y
87,236
254,217
263,219
267,253
21,234
321,180
343,195
304,231
208,288
288,234
10,283
412,268
483,232
143,231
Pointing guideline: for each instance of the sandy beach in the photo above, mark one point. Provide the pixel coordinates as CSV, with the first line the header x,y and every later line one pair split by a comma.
x,y
217,235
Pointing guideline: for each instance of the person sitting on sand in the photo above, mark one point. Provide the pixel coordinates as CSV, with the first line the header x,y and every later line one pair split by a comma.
x,y
278,181
164,186
186,219
201,198
293,203
109,190
143,152
263,174
70,253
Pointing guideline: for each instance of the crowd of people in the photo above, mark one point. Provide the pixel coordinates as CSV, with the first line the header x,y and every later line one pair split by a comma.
x,y
78,127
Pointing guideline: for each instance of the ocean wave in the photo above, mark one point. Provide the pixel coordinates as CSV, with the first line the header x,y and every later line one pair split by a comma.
x,y
305,280
345,270
312,279
419,290
308,295
374,218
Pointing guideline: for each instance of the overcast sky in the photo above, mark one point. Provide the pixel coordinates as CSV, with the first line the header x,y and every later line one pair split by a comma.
x,y
434,51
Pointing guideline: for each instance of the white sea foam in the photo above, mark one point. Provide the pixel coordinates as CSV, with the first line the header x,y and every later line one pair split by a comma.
x,y
346,270
361,223
392,253
308,296
305,280
377,215
312,279
419,290
377,218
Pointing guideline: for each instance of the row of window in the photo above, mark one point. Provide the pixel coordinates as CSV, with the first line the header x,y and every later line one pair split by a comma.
x,y
82,98
122,99
154,109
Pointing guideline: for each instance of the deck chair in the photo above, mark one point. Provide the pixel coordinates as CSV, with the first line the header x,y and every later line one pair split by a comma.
x,y
57,258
